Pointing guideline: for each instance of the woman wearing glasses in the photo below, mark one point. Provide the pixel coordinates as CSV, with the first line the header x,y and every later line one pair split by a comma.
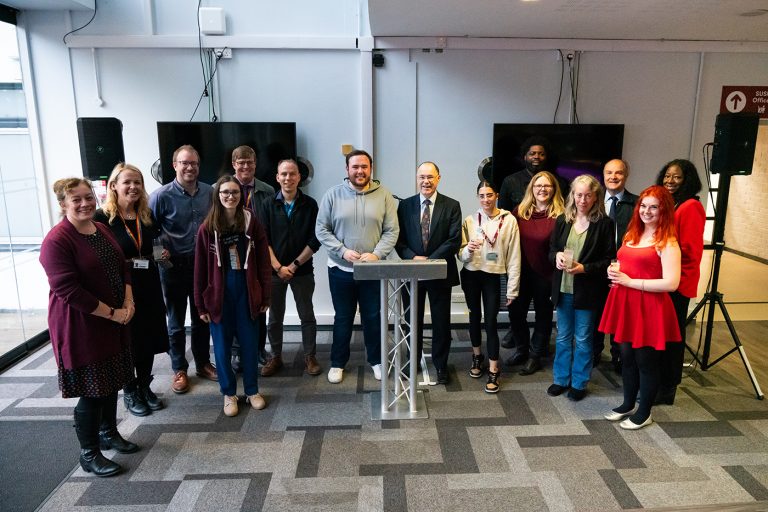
x,y
490,245
536,214
232,287
581,248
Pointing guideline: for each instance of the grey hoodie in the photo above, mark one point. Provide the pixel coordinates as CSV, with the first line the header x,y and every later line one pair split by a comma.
x,y
361,221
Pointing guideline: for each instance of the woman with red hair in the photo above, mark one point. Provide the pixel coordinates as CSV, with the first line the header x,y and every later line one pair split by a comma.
x,y
639,311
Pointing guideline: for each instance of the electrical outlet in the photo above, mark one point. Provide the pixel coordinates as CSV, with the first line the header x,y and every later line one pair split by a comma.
x,y
223,53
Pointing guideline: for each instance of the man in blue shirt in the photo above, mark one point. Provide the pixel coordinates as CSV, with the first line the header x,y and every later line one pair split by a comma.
x,y
180,208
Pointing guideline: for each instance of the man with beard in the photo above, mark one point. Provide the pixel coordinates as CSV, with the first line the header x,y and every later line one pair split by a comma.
x,y
357,222
535,151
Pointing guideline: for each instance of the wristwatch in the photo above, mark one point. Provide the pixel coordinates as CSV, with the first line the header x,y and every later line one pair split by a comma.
x,y
296,262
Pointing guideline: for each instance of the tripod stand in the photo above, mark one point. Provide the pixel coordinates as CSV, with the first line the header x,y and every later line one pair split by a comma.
x,y
714,297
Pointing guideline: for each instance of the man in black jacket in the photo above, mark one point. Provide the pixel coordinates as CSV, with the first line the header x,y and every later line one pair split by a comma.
x,y
289,219
430,228
619,205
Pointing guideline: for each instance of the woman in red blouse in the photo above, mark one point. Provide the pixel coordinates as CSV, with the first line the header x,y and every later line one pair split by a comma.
x,y
681,179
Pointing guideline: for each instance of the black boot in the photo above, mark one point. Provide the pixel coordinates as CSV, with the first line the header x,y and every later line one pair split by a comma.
x,y
150,398
109,437
665,396
134,402
91,459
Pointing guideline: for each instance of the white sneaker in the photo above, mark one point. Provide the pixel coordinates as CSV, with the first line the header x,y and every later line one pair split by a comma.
x,y
335,375
376,371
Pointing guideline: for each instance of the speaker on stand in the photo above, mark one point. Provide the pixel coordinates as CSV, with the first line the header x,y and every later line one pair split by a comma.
x,y
101,148
732,155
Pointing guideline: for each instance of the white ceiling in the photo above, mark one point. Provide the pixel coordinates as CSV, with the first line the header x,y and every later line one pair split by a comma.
x,y
679,20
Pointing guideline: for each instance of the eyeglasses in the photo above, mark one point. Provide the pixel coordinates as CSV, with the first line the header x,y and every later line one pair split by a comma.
x,y
185,163
245,162
426,178
542,186
229,193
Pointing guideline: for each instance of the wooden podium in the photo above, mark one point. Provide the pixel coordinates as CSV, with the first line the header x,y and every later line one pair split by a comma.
x,y
398,398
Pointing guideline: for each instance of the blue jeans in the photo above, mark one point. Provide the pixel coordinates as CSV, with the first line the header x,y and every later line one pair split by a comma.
x,y
573,346
178,288
347,294
236,320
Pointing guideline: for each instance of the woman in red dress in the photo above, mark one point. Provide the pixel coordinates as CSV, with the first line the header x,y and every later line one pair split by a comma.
x,y
639,311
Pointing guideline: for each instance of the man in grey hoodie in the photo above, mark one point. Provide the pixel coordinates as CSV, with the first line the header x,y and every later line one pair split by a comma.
x,y
357,222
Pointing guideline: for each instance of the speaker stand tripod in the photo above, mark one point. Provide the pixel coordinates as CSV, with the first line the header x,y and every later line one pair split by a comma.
x,y
714,298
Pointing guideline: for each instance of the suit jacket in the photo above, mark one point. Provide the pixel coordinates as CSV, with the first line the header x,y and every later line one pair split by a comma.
x,y
444,232
624,209
598,251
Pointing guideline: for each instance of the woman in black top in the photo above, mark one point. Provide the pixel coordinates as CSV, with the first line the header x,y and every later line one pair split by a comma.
x,y
126,212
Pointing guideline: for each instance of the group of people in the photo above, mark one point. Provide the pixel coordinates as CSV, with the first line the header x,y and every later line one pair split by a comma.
x,y
122,276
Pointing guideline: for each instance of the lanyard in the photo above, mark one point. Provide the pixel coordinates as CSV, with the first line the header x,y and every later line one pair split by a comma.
x,y
496,236
136,242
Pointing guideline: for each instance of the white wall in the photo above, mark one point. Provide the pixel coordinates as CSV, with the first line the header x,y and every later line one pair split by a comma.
x,y
425,105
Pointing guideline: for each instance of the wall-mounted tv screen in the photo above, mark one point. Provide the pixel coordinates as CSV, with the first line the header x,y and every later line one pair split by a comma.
x,y
578,148
215,141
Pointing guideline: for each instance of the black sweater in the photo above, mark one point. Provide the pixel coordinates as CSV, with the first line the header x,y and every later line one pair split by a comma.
x,y
289,236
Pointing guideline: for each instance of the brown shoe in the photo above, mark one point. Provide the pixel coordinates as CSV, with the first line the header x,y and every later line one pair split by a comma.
x,y
272,366
312,366
208,371
180,382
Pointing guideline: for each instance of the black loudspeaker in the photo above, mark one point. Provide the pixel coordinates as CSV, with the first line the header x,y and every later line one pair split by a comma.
x,y
101,145
735,138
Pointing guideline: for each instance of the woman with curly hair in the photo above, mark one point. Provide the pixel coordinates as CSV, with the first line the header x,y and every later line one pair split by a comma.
x,y
681,179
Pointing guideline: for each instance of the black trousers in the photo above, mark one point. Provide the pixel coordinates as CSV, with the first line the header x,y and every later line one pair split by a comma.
x,y
672,357
537,288
440,309
482,288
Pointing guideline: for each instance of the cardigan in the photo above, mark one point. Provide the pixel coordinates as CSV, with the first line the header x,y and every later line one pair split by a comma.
x,y
210,273
589,288
689,222
77,284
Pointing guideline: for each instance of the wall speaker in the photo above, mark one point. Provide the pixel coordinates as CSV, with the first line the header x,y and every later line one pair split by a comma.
x,y
101,145
734,148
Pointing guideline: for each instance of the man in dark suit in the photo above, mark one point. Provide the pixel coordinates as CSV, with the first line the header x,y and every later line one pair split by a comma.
x,y
619,204
430,228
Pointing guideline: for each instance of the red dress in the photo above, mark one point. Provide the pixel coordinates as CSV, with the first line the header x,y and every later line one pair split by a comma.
x,y
645,319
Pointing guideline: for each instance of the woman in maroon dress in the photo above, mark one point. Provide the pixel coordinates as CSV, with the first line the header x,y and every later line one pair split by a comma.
x,y
639,311
89,306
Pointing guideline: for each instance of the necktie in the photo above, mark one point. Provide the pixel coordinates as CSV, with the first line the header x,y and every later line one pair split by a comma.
x,y
612,211
425,218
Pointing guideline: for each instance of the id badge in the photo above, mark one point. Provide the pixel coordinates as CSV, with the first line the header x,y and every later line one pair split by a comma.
x,y
491,256
141,263
234,258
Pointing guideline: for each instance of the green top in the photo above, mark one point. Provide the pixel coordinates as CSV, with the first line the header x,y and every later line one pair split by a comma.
x,y
575,242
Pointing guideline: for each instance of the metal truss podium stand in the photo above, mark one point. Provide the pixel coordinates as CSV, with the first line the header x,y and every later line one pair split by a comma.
x,y
399,399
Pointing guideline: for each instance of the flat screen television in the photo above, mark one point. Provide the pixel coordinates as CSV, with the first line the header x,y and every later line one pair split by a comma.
x,y
215,141
578,148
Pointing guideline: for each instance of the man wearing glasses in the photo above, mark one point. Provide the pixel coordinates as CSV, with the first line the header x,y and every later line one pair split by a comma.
x,y
430,228
179,208
253,192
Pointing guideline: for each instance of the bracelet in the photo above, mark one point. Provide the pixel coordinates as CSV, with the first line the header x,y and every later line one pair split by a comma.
x,y
111,312
129,300
278,269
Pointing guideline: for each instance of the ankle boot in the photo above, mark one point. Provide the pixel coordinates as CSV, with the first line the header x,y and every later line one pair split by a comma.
x,y
134,403
91,459
150,398
665,396
109,437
